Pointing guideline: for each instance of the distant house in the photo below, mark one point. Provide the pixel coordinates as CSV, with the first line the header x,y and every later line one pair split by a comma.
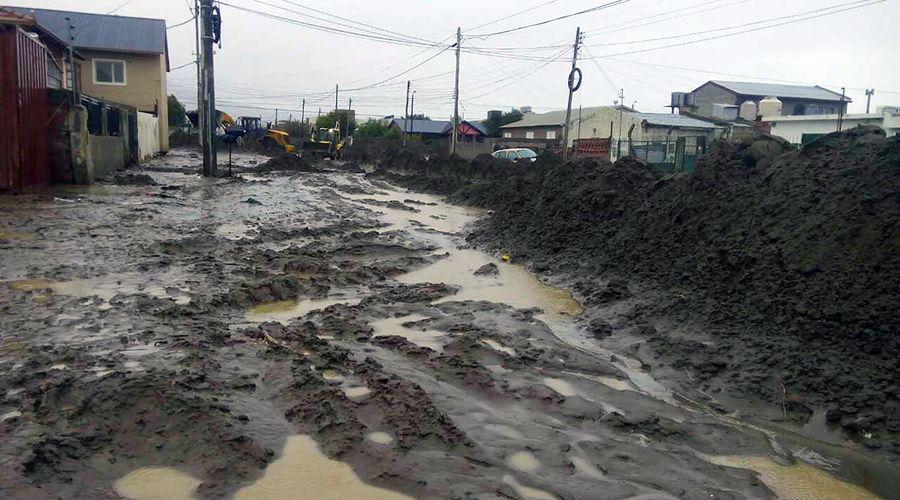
x,y
803,129
426,129
472,131
612,122
126,59
722,99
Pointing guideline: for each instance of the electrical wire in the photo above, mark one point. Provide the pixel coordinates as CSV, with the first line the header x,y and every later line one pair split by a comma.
x,y
727,28
690,42
613,3
384,39
510,16
181,23
679,13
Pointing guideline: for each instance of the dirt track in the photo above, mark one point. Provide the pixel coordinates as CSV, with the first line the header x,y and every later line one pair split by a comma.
x,y
205,327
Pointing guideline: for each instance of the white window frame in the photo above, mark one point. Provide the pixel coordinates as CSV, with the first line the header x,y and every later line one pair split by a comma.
x,y
529,134
507,135
115,84
551,135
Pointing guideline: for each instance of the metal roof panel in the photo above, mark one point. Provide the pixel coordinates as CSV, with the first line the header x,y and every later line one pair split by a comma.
x,y
102,32
781,90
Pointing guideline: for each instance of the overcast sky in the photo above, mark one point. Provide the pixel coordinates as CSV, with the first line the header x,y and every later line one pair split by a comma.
x,y
269,63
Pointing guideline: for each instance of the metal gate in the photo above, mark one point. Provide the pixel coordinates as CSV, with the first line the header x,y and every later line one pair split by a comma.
x,y
24,111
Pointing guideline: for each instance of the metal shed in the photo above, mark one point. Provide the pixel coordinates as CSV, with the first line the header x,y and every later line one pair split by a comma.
x,y
24,111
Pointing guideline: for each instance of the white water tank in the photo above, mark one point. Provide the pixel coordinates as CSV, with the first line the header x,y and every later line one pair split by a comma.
x,y
770,106
748,111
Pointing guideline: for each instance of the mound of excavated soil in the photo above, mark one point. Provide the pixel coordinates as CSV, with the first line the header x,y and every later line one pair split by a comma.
x,y
789,261
286,163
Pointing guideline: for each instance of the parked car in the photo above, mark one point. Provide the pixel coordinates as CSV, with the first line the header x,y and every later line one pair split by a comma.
x,y
516,155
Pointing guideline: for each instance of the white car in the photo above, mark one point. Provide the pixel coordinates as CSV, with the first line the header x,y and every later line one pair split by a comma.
x,y
516,155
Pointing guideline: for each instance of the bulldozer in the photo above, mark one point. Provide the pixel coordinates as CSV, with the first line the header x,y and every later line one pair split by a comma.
x,y
251,129
324,142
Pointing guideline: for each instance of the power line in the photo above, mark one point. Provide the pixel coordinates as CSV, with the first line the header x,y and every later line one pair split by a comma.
x,y
510,16
689,42
355,22
727,28
384,39
181,23
548,21
682,12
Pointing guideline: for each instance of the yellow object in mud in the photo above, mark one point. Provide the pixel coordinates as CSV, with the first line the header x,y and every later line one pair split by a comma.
x,y
506,257
279,138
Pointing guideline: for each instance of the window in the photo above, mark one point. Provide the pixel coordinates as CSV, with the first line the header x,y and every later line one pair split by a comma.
x,y
109,72
551,134
507,135
529,135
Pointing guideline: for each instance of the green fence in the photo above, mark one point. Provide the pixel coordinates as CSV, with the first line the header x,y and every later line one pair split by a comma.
x,y
677,155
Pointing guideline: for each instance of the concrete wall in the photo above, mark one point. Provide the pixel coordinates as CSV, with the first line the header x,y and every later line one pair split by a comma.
x,y
145,85
148,135
793,130
108,155
540,133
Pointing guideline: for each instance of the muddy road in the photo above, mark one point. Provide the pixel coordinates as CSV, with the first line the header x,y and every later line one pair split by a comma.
x,y
327,335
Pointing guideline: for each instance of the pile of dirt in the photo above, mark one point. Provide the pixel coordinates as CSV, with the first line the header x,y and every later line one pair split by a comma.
x,y
179,139
130,179
286,163
788,259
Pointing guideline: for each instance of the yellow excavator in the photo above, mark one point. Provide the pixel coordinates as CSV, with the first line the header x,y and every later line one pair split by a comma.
x,y
251,128
324,142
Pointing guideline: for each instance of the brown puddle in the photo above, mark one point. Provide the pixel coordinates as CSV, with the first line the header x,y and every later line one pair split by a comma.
x,y
286,310
302,472
7,235
799,481
432,339
514,286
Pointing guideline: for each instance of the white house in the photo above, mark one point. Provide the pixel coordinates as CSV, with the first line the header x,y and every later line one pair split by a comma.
x,y
804,128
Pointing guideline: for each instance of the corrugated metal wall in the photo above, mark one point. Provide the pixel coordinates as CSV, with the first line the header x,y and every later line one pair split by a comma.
x,y
24,111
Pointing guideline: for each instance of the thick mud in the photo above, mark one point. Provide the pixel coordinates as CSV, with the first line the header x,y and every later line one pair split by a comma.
x,y
338,338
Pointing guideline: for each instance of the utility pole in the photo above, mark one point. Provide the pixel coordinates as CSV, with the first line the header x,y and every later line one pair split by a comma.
x,y
572,89
412,106
578,133
840,123
70,70
209,93
199,73
276,117
869,94
335,98
456,95
619,138
406,113
349,107
302,113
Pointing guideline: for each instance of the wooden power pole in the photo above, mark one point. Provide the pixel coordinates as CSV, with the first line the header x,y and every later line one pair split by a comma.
x,y
208,110
456,95
572,88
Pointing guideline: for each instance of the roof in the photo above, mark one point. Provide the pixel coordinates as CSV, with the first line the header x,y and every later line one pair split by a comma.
x,y
424,126
28,23
102,32
670,120
553,118
780,90
832,117
477,126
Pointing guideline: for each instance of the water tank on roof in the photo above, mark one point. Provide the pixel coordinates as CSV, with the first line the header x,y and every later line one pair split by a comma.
x,y
770,106
748,110
677,99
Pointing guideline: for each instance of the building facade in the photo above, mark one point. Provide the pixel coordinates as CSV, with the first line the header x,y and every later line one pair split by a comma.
x,y
803,129
720,99
126,59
